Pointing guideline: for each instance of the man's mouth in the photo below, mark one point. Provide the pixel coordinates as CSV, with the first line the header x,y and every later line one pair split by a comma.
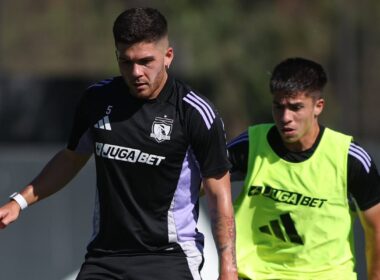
x,y
287,130
139,86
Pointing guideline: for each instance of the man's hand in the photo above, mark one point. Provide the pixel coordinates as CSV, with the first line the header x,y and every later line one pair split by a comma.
x,y
9,213
54,176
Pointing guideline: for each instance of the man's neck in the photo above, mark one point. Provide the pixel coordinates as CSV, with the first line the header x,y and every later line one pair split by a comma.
x,y
306,142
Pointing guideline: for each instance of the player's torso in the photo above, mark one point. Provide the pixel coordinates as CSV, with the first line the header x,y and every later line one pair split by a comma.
x,y
141,150
300,211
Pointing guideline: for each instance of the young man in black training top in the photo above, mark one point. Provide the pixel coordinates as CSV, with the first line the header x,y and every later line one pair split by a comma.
x,y
154,140
293,217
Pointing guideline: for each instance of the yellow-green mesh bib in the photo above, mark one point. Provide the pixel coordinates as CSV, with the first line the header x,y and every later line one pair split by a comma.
x,y
293,219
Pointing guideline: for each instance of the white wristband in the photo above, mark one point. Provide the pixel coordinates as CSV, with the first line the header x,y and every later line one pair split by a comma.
x,y
20,200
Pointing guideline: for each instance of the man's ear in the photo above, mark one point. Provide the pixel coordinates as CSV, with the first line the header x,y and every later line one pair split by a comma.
x,y
169,55
318,106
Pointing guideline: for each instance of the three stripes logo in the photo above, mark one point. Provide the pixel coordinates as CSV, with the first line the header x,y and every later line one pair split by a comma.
x,y
202,107
103,123
286,233
361,155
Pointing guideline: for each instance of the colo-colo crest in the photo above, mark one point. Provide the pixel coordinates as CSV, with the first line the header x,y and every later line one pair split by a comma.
x,y
161,129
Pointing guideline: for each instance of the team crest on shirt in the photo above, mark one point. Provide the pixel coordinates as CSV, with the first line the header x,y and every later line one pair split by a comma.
x,y
161,129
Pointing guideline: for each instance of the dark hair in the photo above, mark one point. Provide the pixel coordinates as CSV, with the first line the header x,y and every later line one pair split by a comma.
x,y
139,25
295,75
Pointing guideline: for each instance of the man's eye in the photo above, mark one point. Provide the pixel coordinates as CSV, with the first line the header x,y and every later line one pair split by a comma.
x,y
296,107
145,62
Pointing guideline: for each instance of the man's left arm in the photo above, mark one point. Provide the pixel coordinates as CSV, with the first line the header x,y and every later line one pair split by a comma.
x,y
364,185
371,223
218,194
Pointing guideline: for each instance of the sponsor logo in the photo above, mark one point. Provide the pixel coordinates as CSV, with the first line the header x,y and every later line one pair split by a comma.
x,y
283,196
161,129
283,229
126,154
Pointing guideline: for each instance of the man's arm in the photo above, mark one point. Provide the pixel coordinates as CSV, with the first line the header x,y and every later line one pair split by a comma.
x,y
218,193
364,185
371,224
54,176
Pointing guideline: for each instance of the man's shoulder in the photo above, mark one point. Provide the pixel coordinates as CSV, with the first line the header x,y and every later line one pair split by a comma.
x,y
241,140
187,93
337,132
261,126
102,89
360,157
194,105
104,83
254,131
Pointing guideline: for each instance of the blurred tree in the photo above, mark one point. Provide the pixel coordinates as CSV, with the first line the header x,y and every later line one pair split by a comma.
x,y
231,47
226,48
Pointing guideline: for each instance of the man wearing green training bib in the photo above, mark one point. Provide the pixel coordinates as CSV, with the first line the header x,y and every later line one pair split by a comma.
x,y
293,216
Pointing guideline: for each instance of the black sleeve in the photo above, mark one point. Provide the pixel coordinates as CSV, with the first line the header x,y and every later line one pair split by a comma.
x,y
238,153
207,138
363,177
80,137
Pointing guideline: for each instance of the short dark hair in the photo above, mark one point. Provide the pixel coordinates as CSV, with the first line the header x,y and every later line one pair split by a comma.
x,y
295,75
139,25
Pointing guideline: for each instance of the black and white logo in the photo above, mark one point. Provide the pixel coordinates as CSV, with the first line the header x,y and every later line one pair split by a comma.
x,y
287,232
161,129
126,154
103,123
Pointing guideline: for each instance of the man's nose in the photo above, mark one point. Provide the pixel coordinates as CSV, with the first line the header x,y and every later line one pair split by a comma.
x,y
286,116
136,70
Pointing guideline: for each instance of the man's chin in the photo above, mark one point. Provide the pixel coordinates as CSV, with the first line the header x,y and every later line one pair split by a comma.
x,y
140,94
289,139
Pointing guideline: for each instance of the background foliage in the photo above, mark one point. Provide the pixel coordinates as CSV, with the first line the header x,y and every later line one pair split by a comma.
x,y
226,49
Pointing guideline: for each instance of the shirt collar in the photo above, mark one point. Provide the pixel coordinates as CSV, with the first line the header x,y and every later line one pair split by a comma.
x,y
166,91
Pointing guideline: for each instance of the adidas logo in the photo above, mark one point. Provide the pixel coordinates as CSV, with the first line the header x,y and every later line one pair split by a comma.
x,y
103,123
286,233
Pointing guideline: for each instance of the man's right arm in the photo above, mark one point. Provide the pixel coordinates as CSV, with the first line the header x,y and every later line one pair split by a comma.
x,y
55,175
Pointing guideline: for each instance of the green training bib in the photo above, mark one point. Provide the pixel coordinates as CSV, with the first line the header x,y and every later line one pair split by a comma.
x,y
293,219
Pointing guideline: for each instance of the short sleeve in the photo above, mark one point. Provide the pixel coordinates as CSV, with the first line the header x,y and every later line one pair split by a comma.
x,y
206,135
80,139
363,177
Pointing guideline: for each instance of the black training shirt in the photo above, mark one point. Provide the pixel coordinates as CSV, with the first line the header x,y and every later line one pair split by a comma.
x,y
150,157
